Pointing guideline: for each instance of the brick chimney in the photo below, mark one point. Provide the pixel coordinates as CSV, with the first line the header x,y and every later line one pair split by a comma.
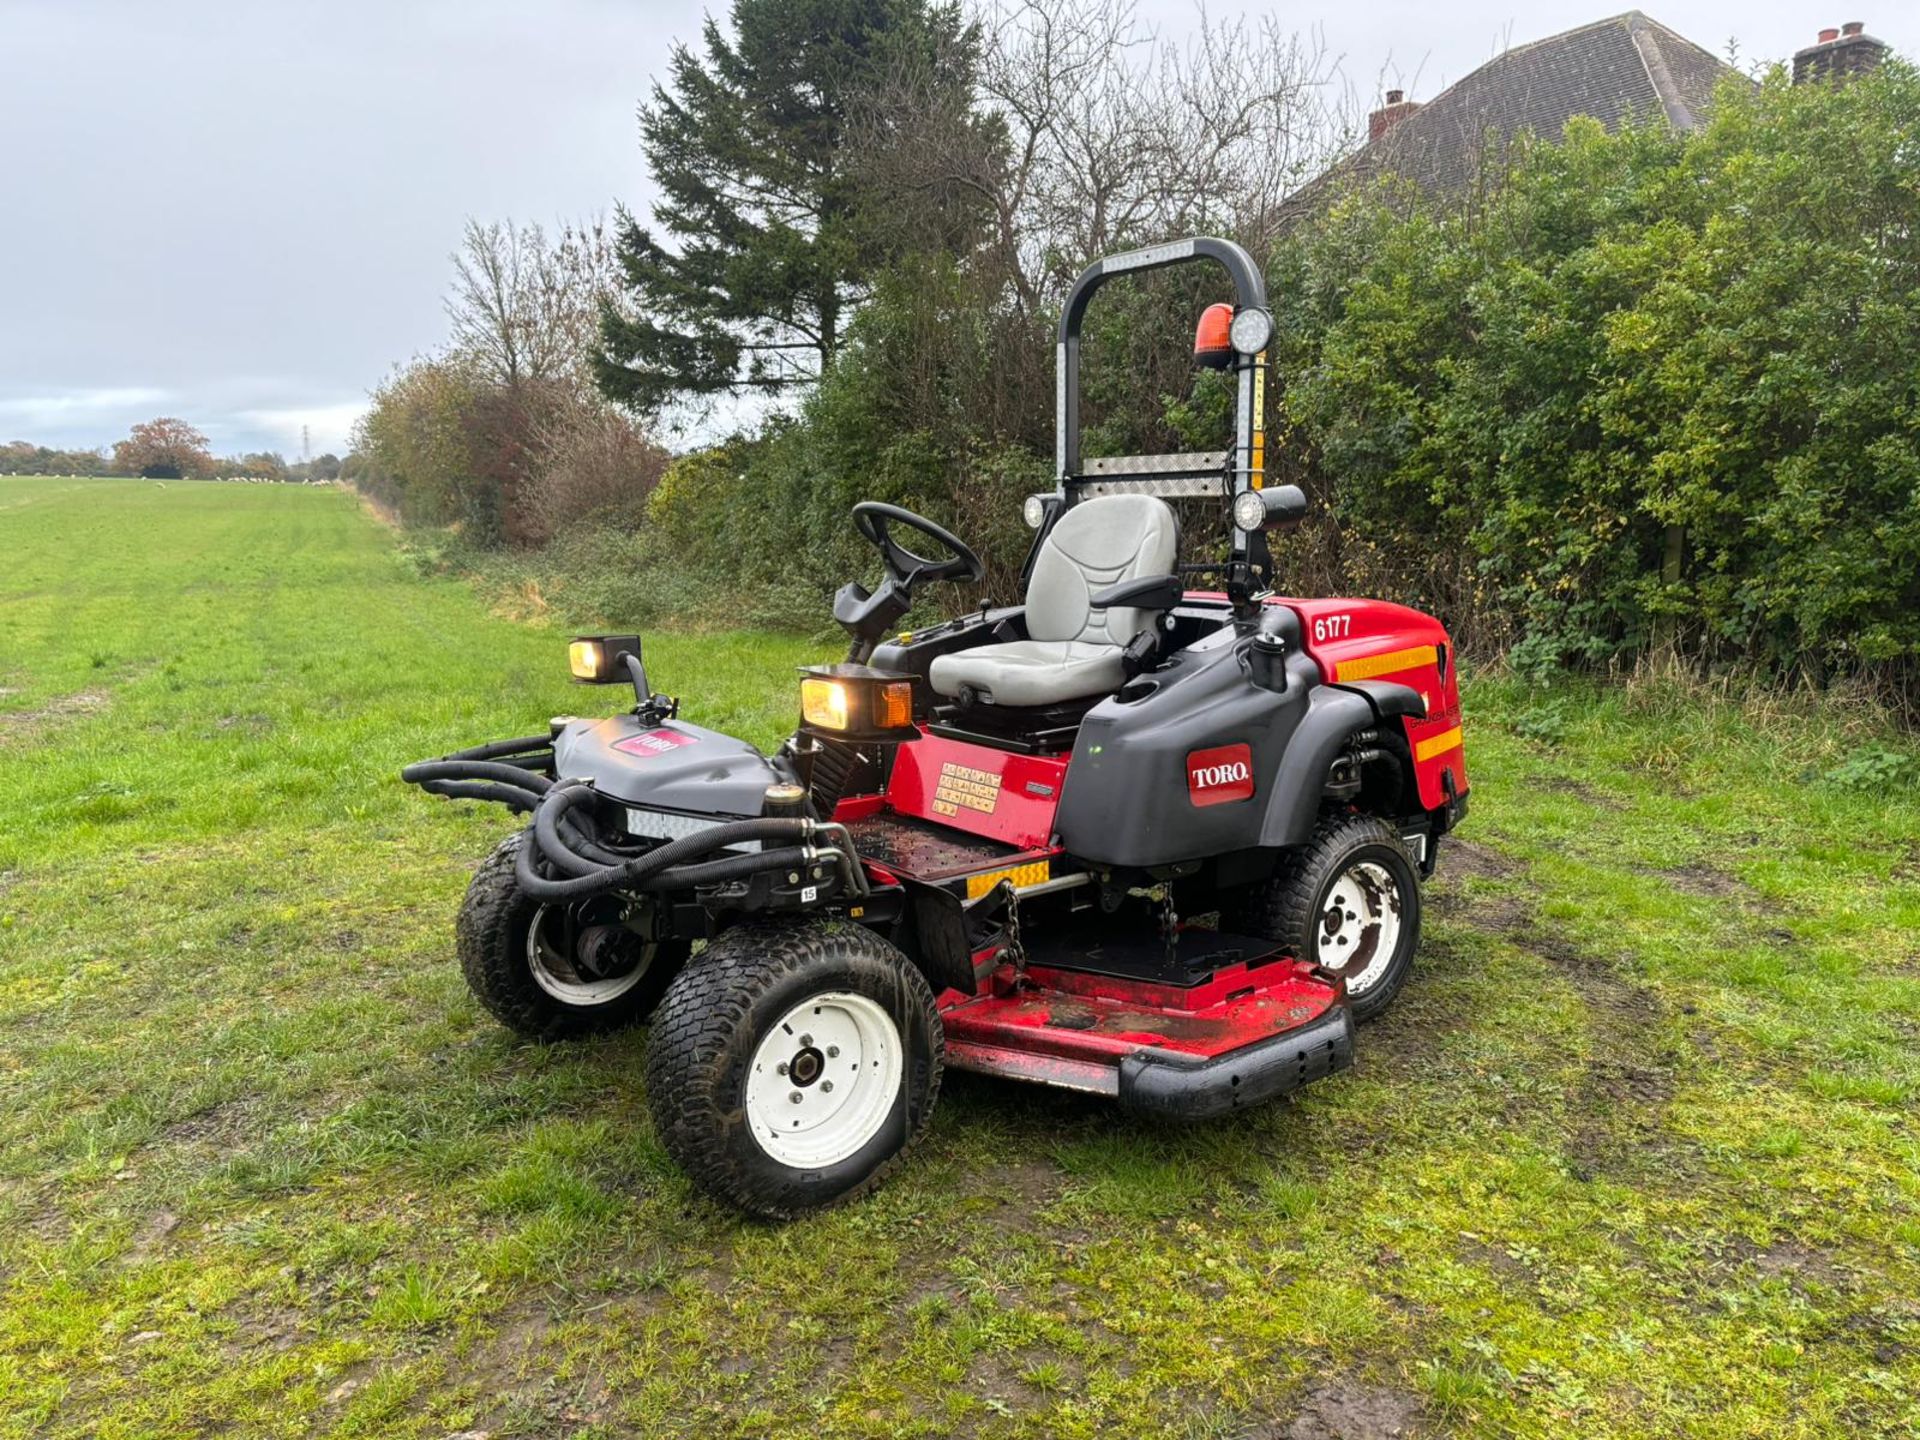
x,y
1397,108
1839,54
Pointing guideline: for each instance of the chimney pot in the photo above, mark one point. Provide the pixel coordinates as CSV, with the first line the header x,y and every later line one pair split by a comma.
x,y
1829,35
1394,97
1852,27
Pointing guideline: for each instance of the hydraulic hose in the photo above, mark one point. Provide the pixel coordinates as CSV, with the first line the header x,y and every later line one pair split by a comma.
x,y
495,749
730,867
630,872
546,829
513,775
520,801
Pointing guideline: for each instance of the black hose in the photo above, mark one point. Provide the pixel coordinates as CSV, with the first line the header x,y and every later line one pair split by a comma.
x,y
630,872
514,775
497,748
521,801
730,867
546,829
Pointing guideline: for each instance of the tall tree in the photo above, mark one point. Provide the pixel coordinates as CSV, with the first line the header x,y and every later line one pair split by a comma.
x,y
759,249
163,449
525,308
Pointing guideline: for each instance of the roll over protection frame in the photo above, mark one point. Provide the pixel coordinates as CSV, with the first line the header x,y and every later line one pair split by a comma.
x,y
1241,468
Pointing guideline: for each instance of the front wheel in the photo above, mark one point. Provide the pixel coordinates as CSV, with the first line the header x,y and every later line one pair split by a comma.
x,y
1349,901
554,971
791,1065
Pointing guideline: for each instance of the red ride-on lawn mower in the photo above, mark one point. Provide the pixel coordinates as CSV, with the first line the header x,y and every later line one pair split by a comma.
x,y
1151,842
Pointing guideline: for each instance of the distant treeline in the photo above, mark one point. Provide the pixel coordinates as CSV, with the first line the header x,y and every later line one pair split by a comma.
x,y
136,457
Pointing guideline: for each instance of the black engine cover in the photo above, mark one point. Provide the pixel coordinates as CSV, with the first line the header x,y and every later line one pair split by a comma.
x,y
671,766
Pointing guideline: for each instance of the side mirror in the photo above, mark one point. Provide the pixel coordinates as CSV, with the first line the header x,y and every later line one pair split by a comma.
x,y
1280,507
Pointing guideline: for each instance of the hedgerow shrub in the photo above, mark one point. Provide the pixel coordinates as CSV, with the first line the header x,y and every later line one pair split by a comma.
x,y
1718,332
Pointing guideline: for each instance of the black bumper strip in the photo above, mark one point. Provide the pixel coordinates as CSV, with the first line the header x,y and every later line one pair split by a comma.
x,y
1159,1082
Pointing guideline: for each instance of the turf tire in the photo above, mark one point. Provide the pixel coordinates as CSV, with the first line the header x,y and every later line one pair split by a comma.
x,y
1287,906
713,1020
491,936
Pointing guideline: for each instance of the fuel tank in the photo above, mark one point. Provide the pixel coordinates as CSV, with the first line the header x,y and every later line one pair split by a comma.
x,y
671,766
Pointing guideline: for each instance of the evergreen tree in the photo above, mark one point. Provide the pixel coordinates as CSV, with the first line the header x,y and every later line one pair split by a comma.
x,y
762,242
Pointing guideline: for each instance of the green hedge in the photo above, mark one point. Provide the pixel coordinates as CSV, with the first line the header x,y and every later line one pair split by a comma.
x,y
1639,340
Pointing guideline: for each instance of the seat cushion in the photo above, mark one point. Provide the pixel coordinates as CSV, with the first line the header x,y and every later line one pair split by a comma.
x,y
1095,544
1032,672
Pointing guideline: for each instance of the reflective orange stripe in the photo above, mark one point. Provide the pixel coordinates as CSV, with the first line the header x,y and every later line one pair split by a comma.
x,y
1368,666
1437,744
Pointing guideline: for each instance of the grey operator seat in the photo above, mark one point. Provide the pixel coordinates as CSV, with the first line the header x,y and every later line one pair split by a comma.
x,y
1073,650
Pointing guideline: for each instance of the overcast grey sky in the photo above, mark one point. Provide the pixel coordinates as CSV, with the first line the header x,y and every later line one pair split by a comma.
x,y
240,213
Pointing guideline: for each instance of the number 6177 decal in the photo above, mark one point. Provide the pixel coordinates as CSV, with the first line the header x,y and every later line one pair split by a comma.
x,y
1332,627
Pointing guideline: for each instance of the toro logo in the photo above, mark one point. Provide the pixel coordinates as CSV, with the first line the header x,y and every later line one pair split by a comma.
x,y
1219,775
653,742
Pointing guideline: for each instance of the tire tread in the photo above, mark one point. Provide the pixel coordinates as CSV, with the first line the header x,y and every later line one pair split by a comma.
x,y
710,1002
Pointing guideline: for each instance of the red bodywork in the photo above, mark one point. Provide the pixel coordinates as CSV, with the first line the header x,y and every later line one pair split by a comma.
x,y
1071,1028
1378,640
991,793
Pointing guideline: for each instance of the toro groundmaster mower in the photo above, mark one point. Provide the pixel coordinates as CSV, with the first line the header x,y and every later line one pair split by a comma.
x,y
1151,842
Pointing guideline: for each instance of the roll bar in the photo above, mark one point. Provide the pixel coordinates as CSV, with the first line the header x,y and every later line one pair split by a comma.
x,y
1223,473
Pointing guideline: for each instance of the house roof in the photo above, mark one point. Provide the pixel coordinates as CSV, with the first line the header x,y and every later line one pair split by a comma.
x,y
1625,67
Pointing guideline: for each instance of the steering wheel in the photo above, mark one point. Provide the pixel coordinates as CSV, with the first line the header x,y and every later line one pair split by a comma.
x,y
906,567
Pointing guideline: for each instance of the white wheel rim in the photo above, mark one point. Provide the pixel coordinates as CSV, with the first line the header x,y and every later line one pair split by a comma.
x,y
554,971
824,1080
1357,930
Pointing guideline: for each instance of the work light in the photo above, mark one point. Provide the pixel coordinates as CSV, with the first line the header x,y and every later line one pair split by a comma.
x,y
601,659
1274,508
1251,331
856,701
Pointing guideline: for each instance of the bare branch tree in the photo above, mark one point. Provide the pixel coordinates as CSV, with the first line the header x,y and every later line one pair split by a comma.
x,y
1100,136
525,308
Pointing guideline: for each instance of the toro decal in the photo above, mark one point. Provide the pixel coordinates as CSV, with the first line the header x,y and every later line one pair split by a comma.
x,y
654,742
1219,775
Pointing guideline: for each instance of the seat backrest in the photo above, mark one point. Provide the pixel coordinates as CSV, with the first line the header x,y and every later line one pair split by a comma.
x,y
1095,544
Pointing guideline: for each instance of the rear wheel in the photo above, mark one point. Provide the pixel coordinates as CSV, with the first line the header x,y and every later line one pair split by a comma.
x,y
792,1065
550,971
1348,900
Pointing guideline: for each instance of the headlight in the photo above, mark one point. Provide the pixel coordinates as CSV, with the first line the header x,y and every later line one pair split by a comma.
x,y
1034,512
857,701
583,658
601,659
824,703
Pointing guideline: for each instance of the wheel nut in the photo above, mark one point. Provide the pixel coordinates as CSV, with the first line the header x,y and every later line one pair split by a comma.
x,y
781,1068
833,1052
825,1085
806,1041
796,1097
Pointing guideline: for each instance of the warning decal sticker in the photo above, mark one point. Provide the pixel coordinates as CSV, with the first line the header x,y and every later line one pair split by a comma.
x,y
964,787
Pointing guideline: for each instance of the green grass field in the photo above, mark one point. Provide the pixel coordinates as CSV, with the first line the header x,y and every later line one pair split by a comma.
x,y
1633,1156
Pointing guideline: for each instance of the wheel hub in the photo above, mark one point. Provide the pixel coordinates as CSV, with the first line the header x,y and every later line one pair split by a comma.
x,y
1359,927
584,964
805,1067
823,1080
